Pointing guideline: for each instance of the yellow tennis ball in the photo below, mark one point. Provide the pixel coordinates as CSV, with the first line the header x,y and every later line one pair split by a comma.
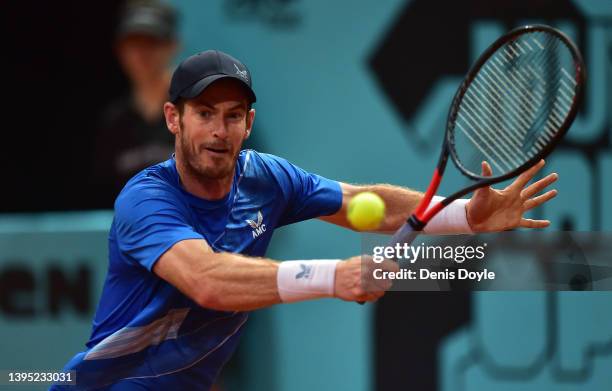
x,y
366,211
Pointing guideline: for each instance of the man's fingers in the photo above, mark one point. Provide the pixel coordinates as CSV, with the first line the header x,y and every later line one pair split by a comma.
x,y
530,223
383,283
525,177
538,186
486,169
539,200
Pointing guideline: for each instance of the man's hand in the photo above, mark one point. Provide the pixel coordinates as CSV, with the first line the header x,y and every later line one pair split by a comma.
x,y
492,210
355,281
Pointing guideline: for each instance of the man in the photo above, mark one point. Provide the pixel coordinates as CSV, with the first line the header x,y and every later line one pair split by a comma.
x,y
189,234
132,133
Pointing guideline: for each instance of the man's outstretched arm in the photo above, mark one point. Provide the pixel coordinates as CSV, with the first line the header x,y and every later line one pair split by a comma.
x,y
233,282
489,210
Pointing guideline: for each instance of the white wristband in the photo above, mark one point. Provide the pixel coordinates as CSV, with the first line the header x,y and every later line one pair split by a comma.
x,y
450,220
303,280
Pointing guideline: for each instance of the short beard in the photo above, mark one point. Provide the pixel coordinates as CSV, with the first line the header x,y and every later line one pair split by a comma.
x,y
195,168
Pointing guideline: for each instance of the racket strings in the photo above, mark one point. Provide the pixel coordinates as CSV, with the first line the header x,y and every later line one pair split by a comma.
x,y
559,102
516,103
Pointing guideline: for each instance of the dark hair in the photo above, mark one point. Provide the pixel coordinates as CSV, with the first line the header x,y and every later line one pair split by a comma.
x,y
180,105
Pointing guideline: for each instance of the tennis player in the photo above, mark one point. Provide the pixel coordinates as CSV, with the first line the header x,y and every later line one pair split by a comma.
x,y
187,244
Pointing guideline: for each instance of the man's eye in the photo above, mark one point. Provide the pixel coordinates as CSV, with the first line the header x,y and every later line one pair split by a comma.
x,y
205,114
235,115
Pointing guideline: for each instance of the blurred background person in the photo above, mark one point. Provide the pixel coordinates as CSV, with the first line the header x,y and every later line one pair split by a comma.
x,y
132,132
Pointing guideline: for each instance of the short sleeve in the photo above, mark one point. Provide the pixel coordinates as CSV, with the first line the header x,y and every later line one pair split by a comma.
x,y
149,220
308,195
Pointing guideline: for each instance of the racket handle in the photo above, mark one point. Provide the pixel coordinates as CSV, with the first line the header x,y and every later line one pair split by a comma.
x,y
406,234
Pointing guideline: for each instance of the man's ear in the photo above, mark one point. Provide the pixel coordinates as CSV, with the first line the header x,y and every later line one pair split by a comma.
x,y
250,118
171,113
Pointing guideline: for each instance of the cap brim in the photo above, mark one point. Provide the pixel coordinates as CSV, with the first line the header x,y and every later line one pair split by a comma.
x,y
199,86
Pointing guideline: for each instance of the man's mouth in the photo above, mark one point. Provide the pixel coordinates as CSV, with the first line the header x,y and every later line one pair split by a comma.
x,y
217,151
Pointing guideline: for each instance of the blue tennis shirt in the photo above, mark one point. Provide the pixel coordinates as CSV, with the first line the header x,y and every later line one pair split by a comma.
x,y
148,335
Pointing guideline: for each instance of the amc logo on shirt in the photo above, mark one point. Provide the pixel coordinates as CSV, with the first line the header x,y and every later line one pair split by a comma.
x,y
258,226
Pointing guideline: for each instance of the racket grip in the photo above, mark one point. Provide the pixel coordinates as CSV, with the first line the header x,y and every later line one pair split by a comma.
x,y
406,234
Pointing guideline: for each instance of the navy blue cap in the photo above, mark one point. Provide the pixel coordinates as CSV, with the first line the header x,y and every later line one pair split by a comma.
x,y
197,72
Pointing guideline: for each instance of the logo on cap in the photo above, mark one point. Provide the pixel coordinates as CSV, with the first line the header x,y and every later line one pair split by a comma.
x,y
242,74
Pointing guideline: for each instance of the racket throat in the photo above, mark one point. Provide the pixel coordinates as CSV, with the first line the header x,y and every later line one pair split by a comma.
x,y
415,223
431,191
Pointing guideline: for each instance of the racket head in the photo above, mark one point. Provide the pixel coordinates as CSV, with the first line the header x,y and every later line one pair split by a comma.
x,y
512,100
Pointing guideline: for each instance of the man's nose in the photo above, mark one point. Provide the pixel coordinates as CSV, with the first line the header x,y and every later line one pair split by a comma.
x,y
220,128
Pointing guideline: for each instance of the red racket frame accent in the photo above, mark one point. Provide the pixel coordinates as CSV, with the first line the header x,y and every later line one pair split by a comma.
x,y
422,213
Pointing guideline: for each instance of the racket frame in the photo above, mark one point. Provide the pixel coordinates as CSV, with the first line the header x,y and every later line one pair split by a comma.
x,y
423,214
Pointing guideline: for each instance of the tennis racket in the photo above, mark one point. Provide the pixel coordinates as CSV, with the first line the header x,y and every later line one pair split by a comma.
x,y
515,104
